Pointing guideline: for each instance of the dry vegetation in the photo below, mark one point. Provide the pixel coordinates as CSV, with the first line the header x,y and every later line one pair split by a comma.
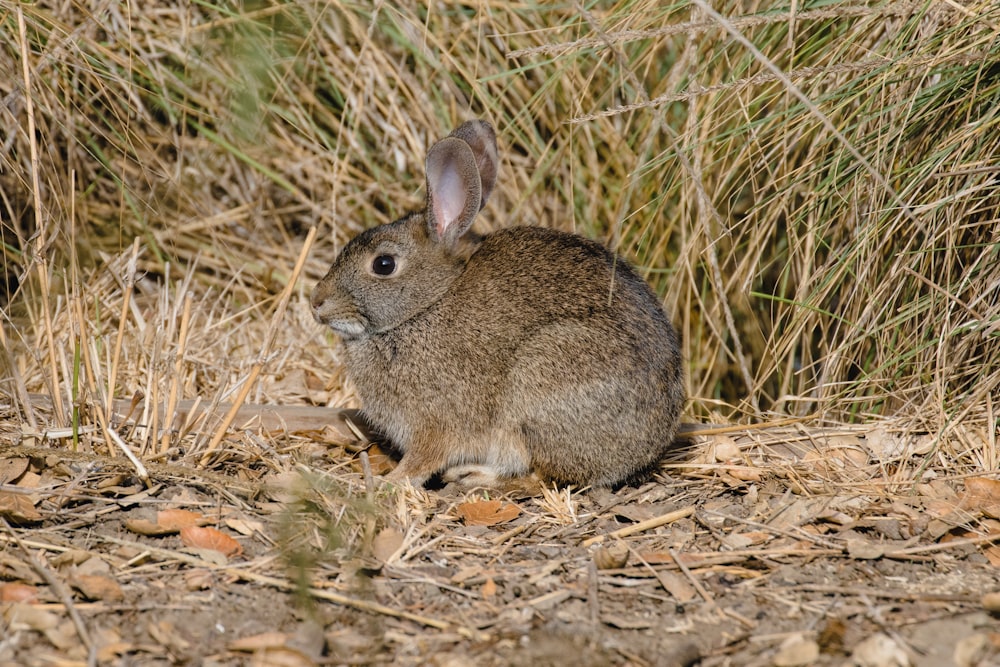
x,y
812,187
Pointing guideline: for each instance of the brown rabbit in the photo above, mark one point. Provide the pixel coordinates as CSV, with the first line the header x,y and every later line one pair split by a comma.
x,y
489,357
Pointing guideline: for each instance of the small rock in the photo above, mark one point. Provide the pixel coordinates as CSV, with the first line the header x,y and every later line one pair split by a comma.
x,y
974,651
880,651
612,556
864,550
991,602
796,650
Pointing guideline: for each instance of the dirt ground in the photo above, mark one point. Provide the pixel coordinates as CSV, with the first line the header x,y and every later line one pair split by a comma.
x,y
743,551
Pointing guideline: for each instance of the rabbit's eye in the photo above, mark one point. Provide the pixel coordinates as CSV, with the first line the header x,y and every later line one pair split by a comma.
x,y
384,265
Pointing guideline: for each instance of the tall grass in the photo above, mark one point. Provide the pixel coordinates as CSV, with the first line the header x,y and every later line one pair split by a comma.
x,y
812,187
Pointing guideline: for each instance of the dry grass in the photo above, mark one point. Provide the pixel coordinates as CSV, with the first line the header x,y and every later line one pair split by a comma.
x,y
814,193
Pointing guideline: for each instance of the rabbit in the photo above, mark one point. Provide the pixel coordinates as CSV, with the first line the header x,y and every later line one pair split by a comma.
x,y
526,352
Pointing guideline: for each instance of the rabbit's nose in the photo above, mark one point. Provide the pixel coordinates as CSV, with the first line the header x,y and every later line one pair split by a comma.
x,y
317,301
317,297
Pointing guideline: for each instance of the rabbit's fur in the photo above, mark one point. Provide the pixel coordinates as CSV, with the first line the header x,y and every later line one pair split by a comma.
x,y
489,357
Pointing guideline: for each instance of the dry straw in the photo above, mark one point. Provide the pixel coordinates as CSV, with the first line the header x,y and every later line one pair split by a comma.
x,y
813,192
810,186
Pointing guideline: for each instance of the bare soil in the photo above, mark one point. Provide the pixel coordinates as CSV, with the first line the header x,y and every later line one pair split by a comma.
x,y
771,559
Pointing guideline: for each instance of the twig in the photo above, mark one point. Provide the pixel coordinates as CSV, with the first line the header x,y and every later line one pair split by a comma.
x,y
168,415
693,28
705,595
513,532
665,584
55,584
41,241
736,34
883,593
130,270
642,526
902,554
20,390
593,601
800,535
707,558
319,593
140,469
258,365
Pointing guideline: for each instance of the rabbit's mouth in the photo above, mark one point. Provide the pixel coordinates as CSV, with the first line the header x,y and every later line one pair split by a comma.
x,y
346,328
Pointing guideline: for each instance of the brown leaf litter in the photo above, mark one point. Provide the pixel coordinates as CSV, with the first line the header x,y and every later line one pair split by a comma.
x,y
750,548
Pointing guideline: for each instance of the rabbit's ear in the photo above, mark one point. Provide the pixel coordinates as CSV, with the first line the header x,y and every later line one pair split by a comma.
x,y
483,141
454,191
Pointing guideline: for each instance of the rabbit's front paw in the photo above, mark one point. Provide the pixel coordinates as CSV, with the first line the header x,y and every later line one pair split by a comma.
x,y
472,476
400,474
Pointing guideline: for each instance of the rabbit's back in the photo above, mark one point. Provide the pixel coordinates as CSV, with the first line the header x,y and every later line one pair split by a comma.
x,y
535,275
595,382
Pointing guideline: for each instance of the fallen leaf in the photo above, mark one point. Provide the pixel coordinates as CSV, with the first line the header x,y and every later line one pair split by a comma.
x,y
97,587
758,536
206,537
283,656
386,543
175,519
12,468
488,512
63,636
975,650
18,508
380,462
864,549
831,637
18,592
198,580
798,513
12,569
271,649
108,652
676,585
744,473
20,616
635,512
612,556
29,480
283,487
982,495
884,445
796,650
166,635
110,645
488,589
94,565
147,527
245,527
72,557
725,449
939,489
838,459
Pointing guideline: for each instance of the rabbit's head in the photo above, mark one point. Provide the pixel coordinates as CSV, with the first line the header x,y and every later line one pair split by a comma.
x,y
390,273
